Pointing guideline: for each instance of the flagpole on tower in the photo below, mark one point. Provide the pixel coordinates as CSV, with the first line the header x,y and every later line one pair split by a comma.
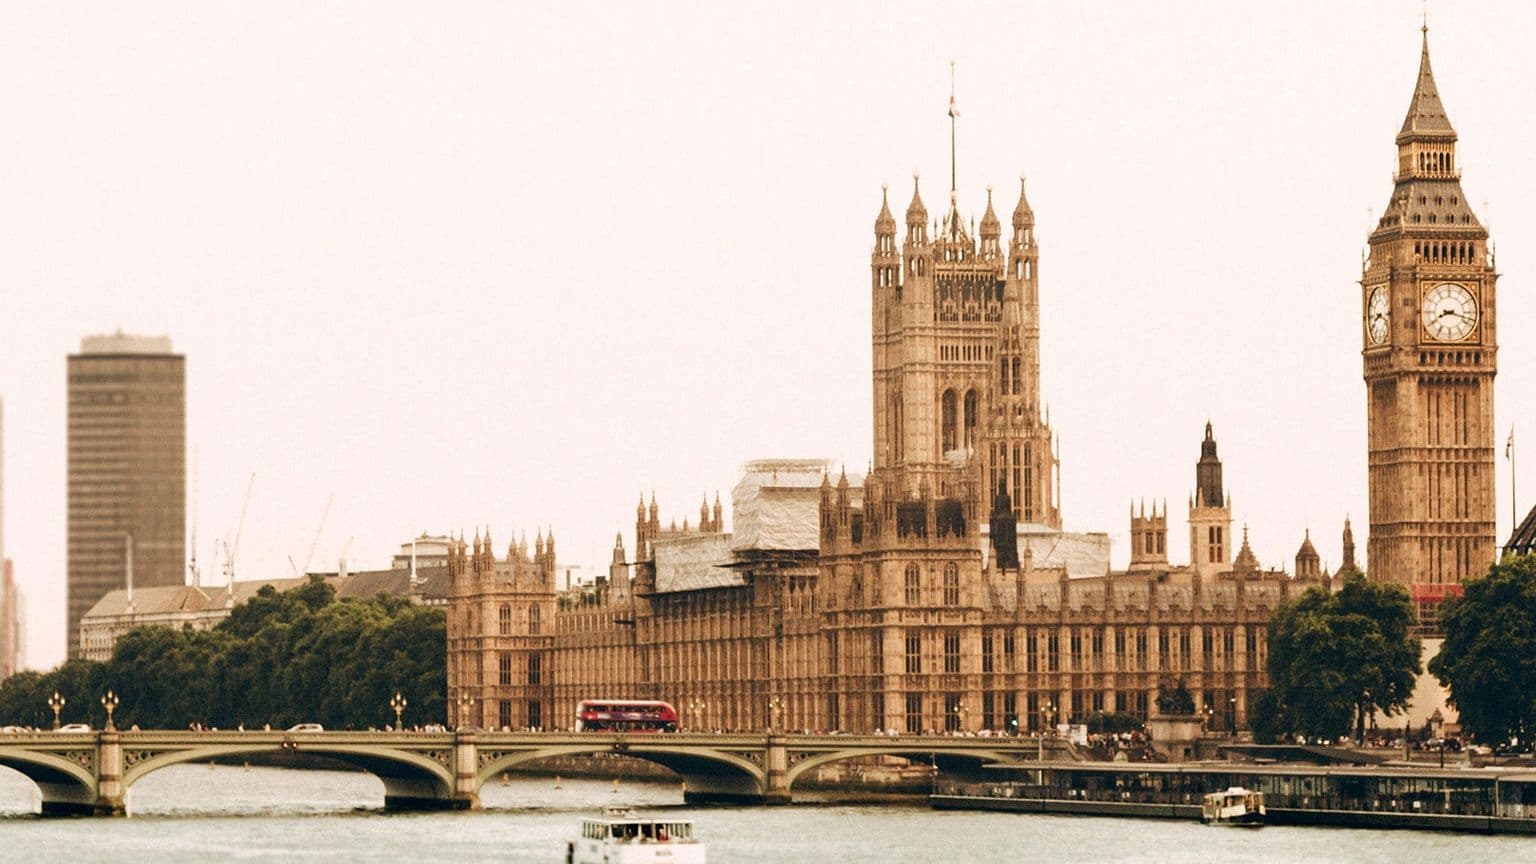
x,y
1514,508
953,113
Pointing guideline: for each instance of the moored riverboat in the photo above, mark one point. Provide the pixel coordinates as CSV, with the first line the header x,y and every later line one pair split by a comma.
x,y
1233,806
621,837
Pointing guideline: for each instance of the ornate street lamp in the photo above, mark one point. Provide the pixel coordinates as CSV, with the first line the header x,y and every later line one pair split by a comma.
x,y
774,705
696,706
57,703
398,703
110,702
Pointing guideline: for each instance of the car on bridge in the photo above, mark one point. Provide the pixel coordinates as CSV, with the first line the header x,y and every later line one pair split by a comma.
x,y
306,727
74,727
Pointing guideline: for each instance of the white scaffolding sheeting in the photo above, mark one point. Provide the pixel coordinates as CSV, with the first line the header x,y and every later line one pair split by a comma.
x,y
692,562
777,504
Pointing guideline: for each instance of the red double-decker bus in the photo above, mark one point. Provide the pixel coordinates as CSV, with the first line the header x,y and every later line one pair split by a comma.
x,y
625,715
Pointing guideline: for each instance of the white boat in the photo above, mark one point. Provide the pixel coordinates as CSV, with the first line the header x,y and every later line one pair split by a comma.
x,y
621,837
1236,806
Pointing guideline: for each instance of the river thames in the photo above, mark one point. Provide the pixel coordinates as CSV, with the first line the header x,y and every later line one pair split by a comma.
x,y
197,813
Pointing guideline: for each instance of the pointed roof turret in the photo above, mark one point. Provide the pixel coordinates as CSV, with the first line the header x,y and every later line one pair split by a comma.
x,y
885,223
1426,114
991,228
1023,214
1307,550
917,214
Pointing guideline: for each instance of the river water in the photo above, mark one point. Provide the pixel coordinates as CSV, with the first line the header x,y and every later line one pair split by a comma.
x,y
197,813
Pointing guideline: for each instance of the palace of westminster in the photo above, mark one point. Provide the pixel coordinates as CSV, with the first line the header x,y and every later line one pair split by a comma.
x,y
939,592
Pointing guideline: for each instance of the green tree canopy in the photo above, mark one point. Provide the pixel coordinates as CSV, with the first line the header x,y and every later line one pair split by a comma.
x,y
278,659
1334,659
1488,660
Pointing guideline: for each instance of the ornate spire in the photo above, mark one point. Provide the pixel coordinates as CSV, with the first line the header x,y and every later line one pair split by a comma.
x,y
1208,487
1426,115
1349,548
1246,561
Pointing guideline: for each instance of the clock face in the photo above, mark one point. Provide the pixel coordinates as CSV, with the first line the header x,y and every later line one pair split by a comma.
x,y
1378,315
1450,312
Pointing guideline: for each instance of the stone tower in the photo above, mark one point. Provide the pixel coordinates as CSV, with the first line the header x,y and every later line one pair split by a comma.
x,y
1430,354
1308,562
957,356
1149,537
1210,513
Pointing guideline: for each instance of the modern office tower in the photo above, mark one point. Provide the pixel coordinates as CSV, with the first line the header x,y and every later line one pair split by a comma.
x,y
127,469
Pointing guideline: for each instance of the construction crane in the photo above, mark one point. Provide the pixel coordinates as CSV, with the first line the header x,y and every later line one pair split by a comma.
x,y
230,550
321,527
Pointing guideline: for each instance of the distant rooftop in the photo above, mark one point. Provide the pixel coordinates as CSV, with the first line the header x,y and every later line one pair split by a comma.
x,y
125,343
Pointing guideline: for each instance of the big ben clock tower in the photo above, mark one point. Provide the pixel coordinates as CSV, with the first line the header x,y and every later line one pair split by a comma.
x,y
1430,354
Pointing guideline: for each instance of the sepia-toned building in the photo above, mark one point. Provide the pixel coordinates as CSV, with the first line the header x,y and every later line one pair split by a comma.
x,y
127,470
923,597
939,592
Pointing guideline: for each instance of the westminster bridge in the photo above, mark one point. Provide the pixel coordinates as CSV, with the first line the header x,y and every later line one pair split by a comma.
x,y
90,772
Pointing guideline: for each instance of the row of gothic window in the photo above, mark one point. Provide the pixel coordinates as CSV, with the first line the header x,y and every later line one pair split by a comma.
x,y
504,662
913,585
504,619
1445,253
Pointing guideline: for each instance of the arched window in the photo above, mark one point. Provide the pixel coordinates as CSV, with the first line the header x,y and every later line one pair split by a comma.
x,y
1018,369
947,423
533,619
914,585
972,407
504,620
951,584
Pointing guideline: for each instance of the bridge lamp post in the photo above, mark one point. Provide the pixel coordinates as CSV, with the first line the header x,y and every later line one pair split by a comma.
x,y
696,706
110,702
1048,718
466,701
57,703
775,704
398,703
960,712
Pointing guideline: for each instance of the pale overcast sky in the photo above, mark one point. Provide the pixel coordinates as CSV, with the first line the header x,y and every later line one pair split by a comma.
x,y
512,263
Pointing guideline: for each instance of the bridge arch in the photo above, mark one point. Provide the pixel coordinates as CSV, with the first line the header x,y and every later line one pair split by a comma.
x,y
65,785
412,779
914,754
699,767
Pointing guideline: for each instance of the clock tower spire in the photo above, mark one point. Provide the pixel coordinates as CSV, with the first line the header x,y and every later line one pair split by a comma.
x,y
1430,355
